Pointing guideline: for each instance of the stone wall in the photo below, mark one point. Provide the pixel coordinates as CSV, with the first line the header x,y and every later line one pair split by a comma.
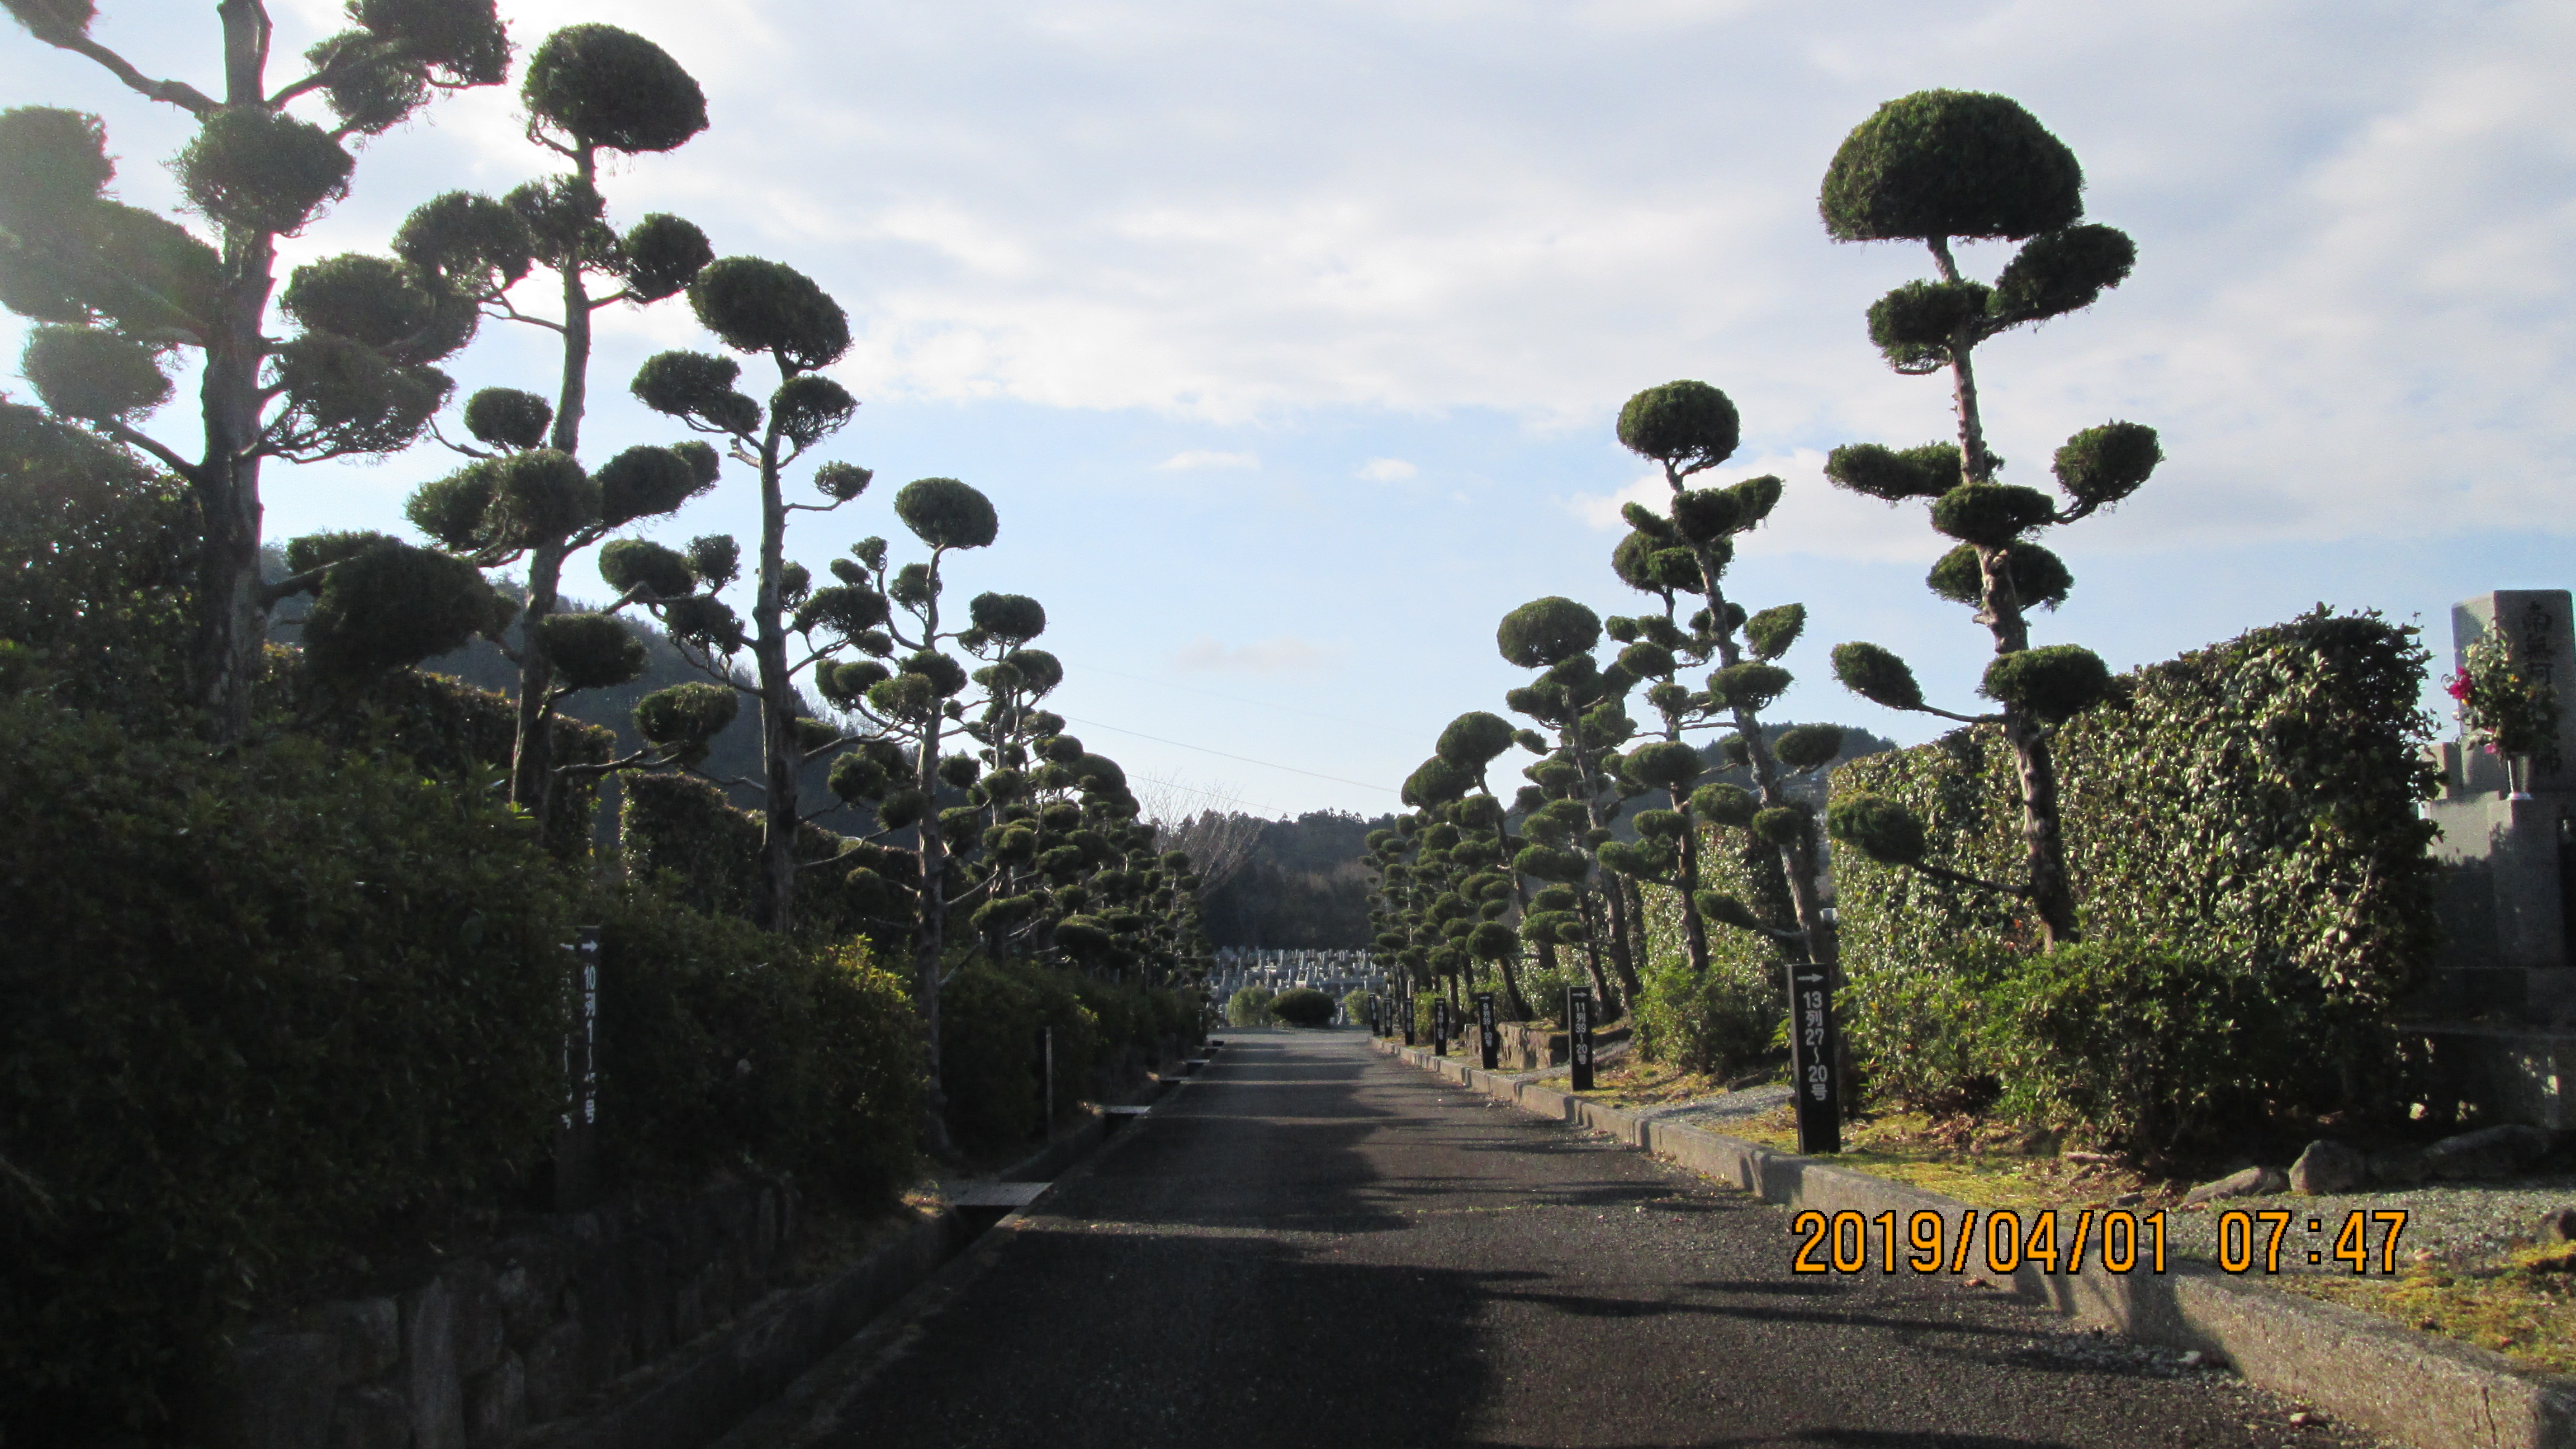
x,y
507,1339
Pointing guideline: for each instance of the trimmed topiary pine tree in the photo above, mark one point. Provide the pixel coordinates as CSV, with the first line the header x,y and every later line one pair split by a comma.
x,y
588,90
1930,167
118,293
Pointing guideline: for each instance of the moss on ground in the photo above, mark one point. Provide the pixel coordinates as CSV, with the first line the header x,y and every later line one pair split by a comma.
x,y
2522,1305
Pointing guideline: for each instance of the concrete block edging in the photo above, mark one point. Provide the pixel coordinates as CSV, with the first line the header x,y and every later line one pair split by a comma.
x,y
2433,1393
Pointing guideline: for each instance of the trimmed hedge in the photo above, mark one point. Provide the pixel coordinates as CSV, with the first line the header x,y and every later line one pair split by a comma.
x,y
990,1017
1303,1006
1249,1006
1726,1021
2250,807
682,832
252,1006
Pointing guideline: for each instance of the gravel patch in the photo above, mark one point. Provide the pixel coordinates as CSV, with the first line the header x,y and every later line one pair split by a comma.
x,y
2459,1223
1751,1102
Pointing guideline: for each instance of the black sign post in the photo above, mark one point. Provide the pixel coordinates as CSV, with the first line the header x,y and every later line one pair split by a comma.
x,y
1578,1035
1811,1059
1373,1031
1405,1014
576,1136
1440,1027
1489,1037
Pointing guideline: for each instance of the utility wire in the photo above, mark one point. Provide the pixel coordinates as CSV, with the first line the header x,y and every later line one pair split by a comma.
x,y
1246,759
1238,699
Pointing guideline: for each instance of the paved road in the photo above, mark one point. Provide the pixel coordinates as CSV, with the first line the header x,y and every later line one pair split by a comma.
x,y
1312,1245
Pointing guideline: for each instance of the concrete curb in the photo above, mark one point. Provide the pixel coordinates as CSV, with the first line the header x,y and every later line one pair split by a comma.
x,y
2433,1393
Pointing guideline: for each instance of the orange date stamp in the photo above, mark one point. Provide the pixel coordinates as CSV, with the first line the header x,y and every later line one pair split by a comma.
x,y
2117,1240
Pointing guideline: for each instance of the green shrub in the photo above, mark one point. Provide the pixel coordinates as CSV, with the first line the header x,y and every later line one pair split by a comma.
x,y
683,832
1355,1008
252,1007
1725,1021
2252,805
990,1056
720,1043
1303,1006
1249,1006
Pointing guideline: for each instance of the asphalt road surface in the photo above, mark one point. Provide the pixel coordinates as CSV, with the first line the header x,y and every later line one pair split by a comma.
x,y
1313,1245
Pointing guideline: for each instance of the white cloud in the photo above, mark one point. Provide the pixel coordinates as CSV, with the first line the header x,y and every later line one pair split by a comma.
x,y
1197,458
1812,517
1283,654
1386,470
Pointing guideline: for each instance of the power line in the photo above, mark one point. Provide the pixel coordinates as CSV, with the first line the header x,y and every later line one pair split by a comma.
x,y
1220,754
1239,699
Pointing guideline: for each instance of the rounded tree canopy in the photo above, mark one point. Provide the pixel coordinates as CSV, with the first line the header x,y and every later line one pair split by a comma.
x,y
1016,618
262,170
1781,824
1436,782
476,245
53,163
1704,515
645,481
662,254
505,417
945,513
810,407
2100,466
1773,631
1474,739
461,41
842,482
1723,804
686,715
93,376
1547,631
1726,910
946,675
1877,675
2039,577
2054,683
1895,474
539,495
1685,425
1748,686
1665,764
632,563
1991,514
698,387
1809,747
716,557
1950,163
1877,827
369,89
765,306
590,651
1039,671
612,89
392,606
2062,271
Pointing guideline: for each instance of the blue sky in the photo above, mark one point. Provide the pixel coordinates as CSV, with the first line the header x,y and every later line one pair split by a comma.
x,y
1287,338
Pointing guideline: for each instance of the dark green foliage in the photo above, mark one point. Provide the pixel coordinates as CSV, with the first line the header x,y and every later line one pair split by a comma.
x,y
1436,782
2142,1044
1773,631
842,482
1665,765
1877,827
2039,577
2058,272
1877,675
316,550
1013,617
214,963
477,246
2054,682
379,303
1547,632
261,170
1039,671
53,21
809,408
686,718
93,376
1303,1006
1950,164
847,610
1474,739
565,217
1685,425
2100,466
945,513
1991,514
369,89
1723,804
1895,474
947,677
716,557
52,163
1807,747
612,89
680,832
590,651
96,552
1750,687
695,386
505,417
394,606
1647,660
688,1001
764,306
705,622
1916,325
1780,824
342,398
1704,515
451,510
460,41
660,255
645,482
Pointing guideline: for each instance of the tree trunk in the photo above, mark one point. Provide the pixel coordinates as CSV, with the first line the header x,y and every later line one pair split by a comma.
x,y
778,747
1694,930
532,755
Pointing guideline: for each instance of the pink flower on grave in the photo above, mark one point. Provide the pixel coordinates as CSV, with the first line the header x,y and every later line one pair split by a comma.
x,y
2458,686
